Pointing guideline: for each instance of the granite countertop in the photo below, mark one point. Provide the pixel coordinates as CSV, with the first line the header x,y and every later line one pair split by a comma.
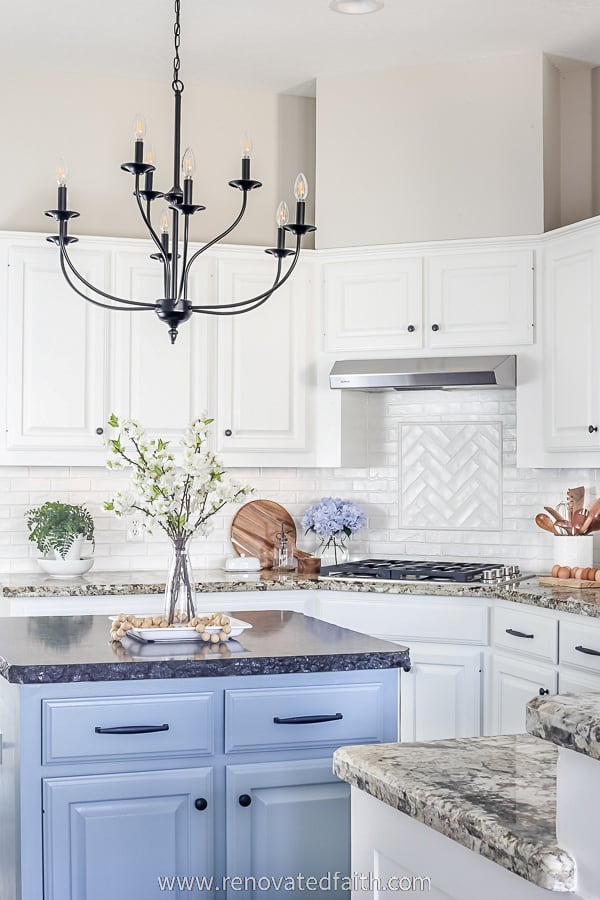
x,y
528,591
568,720
494,795
51,649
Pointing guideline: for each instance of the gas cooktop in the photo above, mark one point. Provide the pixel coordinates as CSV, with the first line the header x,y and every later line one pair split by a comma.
x,y
442,571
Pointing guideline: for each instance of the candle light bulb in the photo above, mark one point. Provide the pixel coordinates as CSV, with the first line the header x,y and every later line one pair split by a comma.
x,y
150,156
139,127
282,216
188,165
246,146
61,173
164,222
301,187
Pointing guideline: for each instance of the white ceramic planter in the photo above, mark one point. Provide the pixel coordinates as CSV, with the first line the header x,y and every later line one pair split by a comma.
x,y
576,551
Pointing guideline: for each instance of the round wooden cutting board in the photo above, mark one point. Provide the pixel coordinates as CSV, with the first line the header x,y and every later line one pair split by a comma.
x,y
255,528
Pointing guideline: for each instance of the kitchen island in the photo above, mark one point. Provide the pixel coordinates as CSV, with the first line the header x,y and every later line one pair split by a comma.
x,y
124,764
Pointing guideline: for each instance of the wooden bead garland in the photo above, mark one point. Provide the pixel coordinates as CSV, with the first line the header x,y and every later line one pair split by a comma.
x,y
123,623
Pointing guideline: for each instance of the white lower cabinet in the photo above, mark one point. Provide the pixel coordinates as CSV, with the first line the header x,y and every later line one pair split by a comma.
x,y
514,682
441,695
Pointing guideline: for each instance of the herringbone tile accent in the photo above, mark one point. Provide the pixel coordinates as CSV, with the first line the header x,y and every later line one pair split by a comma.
x,y
451,475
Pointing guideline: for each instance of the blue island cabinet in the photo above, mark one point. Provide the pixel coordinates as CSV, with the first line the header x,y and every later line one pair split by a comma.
x,y
139,790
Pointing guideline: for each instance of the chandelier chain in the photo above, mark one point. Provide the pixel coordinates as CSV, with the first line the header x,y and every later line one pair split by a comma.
x,y
177,84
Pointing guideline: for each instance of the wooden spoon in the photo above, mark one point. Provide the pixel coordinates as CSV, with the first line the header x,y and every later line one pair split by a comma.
x,y
559,520
594,510
545,522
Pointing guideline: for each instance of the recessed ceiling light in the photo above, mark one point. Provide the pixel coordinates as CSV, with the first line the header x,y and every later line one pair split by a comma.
x,y
356,7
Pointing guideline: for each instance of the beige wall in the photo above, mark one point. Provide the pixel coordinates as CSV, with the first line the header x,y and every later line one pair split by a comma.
x,y
89,121
575,145
431,152
596,141
552,180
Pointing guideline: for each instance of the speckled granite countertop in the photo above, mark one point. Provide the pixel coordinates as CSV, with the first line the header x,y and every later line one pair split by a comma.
x,y
528,591
494,795
568,720
49,649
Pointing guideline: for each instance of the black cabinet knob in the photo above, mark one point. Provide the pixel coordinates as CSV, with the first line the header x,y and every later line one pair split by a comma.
x,y
99,430
200,803
544,692
592,428
228,432
435,327
244,799
411,328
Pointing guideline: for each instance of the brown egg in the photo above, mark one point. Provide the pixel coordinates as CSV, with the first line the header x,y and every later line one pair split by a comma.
x,y
596,576
564,572
577,573
585,574
555,569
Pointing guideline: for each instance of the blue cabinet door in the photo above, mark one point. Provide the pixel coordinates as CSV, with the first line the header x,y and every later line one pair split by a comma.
x,y
127,836
287,822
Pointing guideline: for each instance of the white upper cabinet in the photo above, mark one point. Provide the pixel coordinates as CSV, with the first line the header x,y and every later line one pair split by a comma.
x,y
56,349
572,319
480,299
265,367
476,299
161,385
373,304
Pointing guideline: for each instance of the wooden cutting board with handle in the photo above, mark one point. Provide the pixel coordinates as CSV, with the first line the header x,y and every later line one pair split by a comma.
x,y
255,529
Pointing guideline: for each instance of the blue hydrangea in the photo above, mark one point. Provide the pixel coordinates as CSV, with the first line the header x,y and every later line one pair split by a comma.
x,y
333,516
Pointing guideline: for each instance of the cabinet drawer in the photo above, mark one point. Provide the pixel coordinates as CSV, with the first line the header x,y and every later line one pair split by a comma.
x,y
580,645
533,635
132,727
285,717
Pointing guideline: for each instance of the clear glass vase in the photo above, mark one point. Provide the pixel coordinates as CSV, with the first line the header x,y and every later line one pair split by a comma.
x,y
333,550
180,591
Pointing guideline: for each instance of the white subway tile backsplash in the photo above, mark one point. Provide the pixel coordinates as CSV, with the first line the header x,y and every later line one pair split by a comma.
x,y
521,493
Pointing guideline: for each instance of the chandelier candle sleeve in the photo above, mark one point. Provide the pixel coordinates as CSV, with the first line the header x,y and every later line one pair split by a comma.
x,y
175,307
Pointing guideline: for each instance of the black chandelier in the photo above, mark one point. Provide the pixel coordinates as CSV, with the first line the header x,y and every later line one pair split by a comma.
x,y
172,250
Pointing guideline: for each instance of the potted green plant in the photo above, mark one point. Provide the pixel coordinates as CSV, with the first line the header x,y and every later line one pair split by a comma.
x,y
58,530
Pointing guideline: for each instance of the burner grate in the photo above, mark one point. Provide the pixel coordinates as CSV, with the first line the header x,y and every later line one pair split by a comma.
x,y
410,570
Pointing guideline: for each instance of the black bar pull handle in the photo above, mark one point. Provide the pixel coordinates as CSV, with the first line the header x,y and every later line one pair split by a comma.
x,y
307,720
588,650
131,729
518,633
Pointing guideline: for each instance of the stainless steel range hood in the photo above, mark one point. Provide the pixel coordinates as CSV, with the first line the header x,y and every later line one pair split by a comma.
x,y
441,373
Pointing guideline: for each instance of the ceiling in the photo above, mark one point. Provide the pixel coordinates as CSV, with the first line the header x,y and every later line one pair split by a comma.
x,y
282,45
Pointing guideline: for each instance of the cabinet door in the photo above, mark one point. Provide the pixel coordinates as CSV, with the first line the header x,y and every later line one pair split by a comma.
x,y
514,683
264,371
162,386
373,304
480,299
57,346
297,821
572,283
117,836
441,695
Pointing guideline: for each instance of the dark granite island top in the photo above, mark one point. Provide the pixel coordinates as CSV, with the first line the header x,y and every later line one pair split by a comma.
x,y
51,650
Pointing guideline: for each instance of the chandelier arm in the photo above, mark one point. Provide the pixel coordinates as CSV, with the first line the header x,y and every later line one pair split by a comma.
x,y
64,257
182,293
96,302
148,223
217,309
218,238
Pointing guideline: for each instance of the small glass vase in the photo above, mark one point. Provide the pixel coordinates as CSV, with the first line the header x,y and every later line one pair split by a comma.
x,y
333,550
180,591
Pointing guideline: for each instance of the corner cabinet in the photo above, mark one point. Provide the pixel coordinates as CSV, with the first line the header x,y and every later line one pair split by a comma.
x,y
572,323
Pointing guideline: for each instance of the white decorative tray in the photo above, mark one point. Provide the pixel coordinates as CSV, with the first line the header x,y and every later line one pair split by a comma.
x,y
176,634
